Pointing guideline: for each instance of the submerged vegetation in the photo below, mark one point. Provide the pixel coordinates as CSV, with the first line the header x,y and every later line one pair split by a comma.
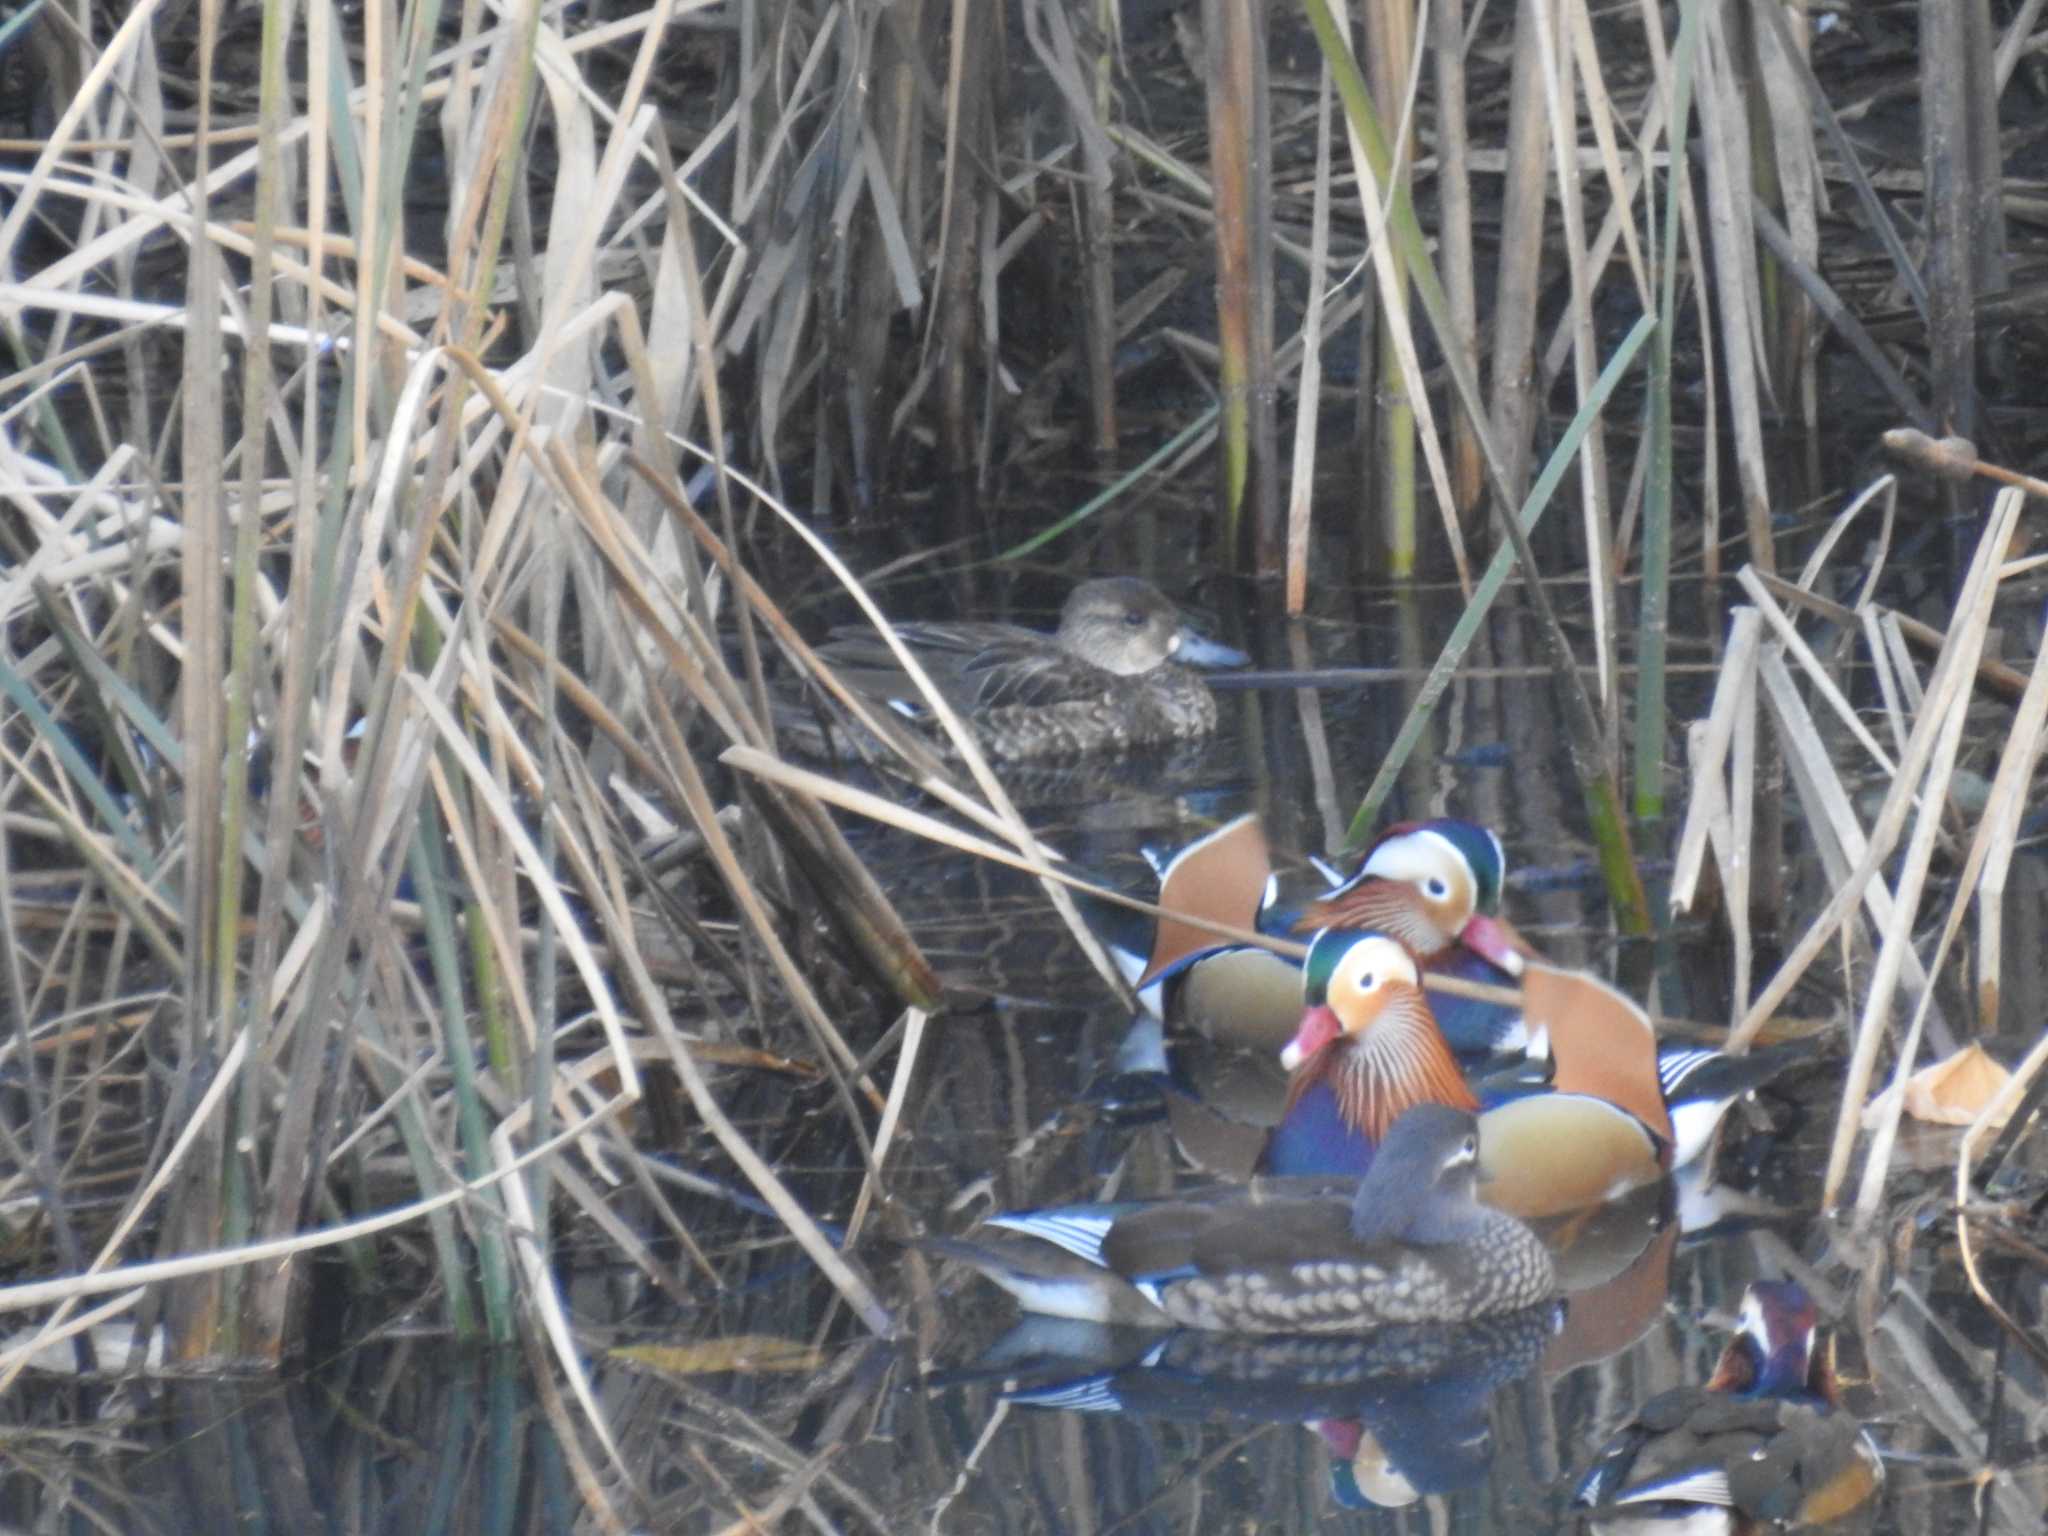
x,y
404,896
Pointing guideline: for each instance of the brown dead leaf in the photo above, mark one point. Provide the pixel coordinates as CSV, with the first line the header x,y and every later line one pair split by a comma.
x,y
1951,1092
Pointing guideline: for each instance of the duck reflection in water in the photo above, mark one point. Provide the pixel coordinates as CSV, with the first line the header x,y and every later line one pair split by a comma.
x,y
1764,1445
1402,1411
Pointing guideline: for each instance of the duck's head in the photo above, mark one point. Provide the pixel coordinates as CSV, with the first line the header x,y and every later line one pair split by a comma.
x,y
1772,1353
1128,627
1431,884
1424,1181
1367,1031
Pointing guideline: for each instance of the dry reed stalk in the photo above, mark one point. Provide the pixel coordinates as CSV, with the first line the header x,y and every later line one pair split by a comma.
x,y
852,896
1941,724
1964,192
1239,148
1990,850
197,1128
1718,809
197,1213
1084,87
697,667
1993,676
907,1055
2024,1084
1518,275
1391,53
1789,161
1673,100
1308,393
1723,137
1831,814
1454,231
1316,744
1399,255
1792,642
1560,102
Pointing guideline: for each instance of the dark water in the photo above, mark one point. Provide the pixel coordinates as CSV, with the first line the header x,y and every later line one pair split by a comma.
x,y
807,1422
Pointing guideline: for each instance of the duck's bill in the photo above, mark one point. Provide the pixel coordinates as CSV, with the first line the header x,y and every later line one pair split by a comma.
x,y
1485,936
1199,650
1319,1026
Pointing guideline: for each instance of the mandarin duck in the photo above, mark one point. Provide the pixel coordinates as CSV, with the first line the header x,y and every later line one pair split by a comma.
x,y
1435,886
1118,674
1368,1048
1411,1245
1764,1445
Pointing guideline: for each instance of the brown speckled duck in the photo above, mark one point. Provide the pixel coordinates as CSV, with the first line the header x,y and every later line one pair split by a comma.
x,y
1412,1245
1118,674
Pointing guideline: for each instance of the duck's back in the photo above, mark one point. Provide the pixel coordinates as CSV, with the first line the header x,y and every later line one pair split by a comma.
x,y
1024,695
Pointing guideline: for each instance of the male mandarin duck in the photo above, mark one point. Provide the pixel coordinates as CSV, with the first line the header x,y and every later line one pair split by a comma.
x,y
1764,1445
1412,1245
1368,1048
1434,885
1700,1083
1118,674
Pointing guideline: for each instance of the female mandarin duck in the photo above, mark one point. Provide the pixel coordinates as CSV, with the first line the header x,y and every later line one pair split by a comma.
x,y
1413,1245
1435,886
1368,1048
1764,1445
1118,674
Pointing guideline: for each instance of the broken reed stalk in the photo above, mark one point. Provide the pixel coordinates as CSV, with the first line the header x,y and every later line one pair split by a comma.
x,y
1955,458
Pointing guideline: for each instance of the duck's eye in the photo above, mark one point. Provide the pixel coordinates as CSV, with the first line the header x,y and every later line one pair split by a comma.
x,y
1469,1147
1368,981
1437,887
1134,618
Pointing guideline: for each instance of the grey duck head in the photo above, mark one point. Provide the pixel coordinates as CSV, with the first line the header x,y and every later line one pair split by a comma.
x,y
1423,1184
1127,626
